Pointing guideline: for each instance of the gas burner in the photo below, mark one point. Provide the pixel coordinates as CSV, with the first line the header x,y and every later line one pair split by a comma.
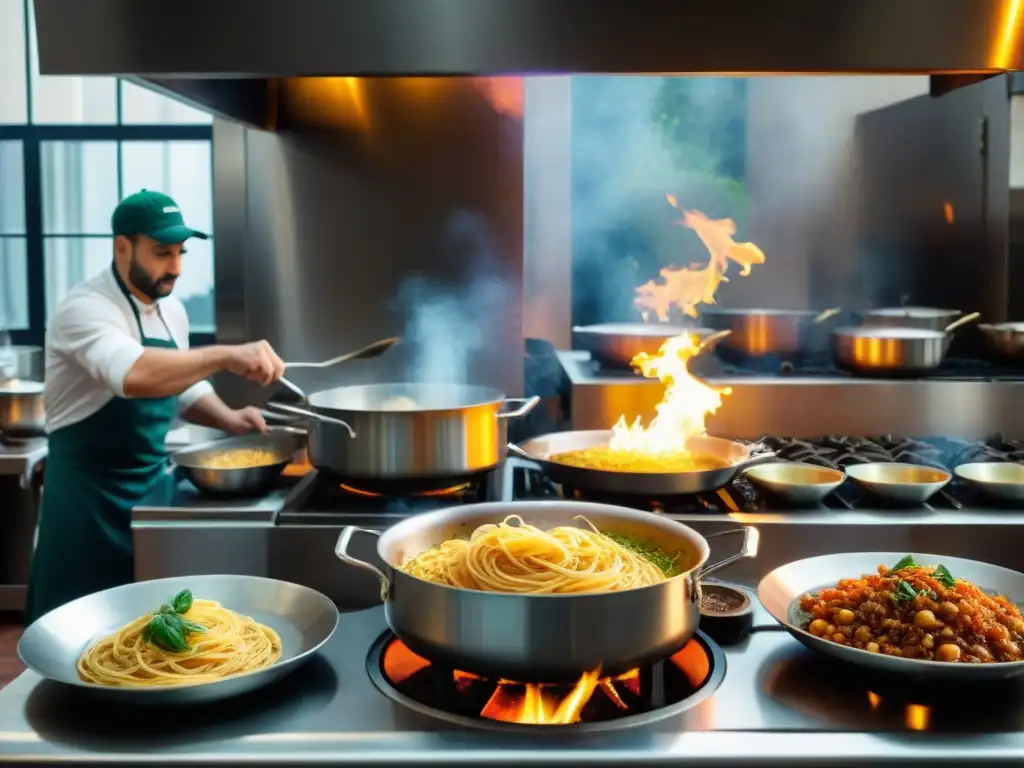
x,y
592,704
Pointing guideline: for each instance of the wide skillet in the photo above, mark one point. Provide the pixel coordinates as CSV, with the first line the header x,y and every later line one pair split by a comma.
x,y
732,455
615,345
542,637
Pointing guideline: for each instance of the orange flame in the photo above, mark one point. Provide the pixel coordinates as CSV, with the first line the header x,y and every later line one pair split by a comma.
x,y
683,409
689,287
504,94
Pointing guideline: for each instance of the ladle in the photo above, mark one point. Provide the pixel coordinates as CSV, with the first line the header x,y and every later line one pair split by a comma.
x,y
370,351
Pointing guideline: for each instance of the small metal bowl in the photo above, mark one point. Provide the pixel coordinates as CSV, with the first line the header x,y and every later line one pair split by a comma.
x,y
243,481
726,611
795,482
1001,480
904,483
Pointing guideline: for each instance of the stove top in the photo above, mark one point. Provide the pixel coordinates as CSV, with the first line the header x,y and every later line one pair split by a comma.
x,y
818,365
591,705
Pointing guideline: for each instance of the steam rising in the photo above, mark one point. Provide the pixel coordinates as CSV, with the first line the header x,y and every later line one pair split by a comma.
x,y
448,326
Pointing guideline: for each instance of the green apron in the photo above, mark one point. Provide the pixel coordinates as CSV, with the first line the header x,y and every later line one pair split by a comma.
x,y
96,471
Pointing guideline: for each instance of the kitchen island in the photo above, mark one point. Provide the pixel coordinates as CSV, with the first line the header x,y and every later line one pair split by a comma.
x,y
778,704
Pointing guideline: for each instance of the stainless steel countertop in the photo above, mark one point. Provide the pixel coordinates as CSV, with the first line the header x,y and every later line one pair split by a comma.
x,y
21,459
778,705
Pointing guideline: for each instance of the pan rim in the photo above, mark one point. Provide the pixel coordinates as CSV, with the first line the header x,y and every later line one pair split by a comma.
x,y
398,530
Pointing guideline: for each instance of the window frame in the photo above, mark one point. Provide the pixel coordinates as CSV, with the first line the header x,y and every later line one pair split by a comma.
x,y
31,136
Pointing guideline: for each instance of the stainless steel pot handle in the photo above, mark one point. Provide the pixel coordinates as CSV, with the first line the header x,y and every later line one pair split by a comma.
x,y
526,404
751,541
272,406
341,550
294,390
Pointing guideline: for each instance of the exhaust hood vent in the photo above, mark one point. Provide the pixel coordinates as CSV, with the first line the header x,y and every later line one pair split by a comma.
x,y
228,40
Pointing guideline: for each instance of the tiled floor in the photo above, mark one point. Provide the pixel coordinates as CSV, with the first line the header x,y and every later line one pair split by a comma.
x,y
10,631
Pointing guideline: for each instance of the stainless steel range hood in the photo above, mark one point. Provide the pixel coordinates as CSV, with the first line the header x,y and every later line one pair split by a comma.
x,y
222,53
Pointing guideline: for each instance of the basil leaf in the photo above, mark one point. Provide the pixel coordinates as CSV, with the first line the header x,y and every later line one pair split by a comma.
x,y
942,575
906,562
182,601
904,591
191,626
165,608
171,634
147,632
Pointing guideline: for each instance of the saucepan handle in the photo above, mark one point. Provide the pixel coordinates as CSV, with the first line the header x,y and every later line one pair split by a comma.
x,y
341,550
526,404
751,540
519,453
296,411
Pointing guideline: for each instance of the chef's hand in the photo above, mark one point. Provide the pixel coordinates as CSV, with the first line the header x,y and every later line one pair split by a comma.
x,y
256,361
245,420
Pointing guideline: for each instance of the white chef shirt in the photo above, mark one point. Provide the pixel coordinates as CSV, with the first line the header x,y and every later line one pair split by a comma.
x,y
92,341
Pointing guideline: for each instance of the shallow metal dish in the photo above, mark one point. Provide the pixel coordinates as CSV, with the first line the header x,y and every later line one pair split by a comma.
x,y
780,592
304,618
906,483
243,481
1003,480
795,482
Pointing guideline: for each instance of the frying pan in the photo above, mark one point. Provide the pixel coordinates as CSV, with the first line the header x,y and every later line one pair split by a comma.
x,y
893,351
780,592
1004,342
614,345
539,450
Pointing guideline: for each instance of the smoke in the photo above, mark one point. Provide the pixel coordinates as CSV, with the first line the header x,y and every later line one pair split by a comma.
x,y
634,140
449,326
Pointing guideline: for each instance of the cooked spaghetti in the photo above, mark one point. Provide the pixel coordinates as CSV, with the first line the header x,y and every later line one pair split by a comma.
x,y
512,556
227,644
241,458
917,612
609,460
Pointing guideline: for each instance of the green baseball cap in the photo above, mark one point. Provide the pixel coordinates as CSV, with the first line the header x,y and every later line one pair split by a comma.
x,y
154,215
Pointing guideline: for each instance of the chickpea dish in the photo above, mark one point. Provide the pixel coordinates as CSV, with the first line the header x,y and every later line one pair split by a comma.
x,y
917,612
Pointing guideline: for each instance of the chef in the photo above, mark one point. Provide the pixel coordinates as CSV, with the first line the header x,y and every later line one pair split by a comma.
x,y
118,373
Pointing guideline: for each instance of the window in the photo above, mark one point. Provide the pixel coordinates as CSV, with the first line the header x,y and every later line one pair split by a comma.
x,y
636,139
70,148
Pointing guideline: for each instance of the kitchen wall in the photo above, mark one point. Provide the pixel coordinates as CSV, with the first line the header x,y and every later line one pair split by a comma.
x,y
383,207
803,182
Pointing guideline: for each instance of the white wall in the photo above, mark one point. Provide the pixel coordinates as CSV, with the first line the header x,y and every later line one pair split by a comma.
x,y
802,176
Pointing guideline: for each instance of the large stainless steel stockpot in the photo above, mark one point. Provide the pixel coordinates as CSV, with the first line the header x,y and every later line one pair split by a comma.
x,y
541,637
414,434
21,409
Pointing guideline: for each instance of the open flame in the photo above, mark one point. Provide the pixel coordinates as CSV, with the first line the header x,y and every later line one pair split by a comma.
x,y
545,703
683,409
687,401
691,286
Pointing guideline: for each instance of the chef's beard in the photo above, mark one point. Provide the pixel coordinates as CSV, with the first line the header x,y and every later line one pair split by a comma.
x,y
147,286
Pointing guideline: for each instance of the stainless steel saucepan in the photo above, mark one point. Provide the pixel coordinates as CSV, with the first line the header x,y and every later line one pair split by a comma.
x,y
542,637
22,414
765,332
1004,342
420,436
615,345
733,456
930,318
893,351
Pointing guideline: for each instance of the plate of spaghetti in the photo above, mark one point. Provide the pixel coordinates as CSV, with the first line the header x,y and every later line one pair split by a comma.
x,y
918,614
180,640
